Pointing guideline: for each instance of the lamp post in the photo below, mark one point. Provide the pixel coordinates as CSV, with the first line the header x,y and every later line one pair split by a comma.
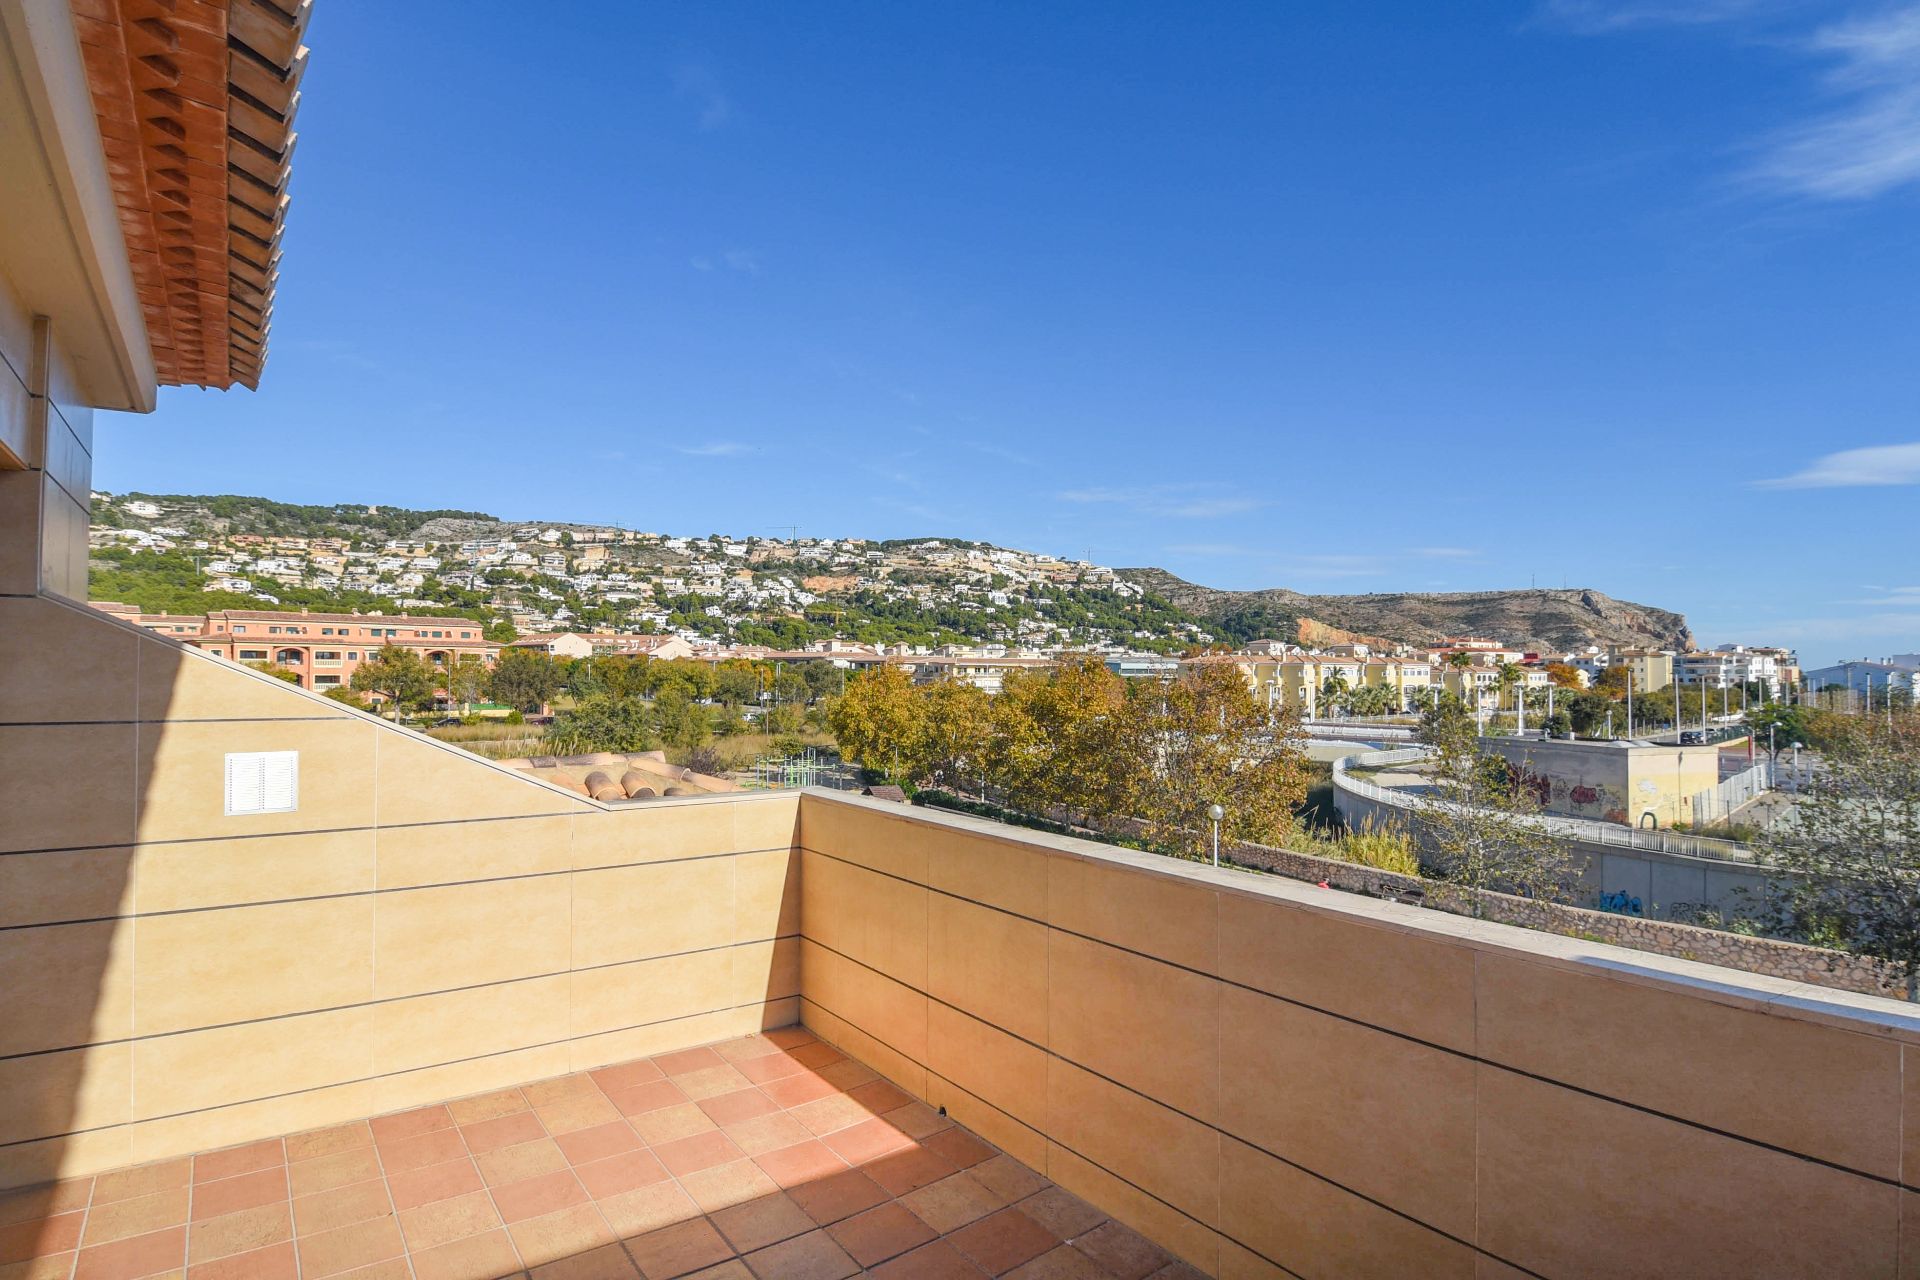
x,y
1796,768
1215,812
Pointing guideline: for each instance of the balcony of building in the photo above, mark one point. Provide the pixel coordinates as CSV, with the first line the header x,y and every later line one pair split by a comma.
x,y
1249,1076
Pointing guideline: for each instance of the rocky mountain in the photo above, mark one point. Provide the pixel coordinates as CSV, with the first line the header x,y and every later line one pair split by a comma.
x,y
1541,618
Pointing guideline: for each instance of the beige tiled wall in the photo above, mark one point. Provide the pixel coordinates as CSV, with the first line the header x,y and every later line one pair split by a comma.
x,y
424,925
1273,1079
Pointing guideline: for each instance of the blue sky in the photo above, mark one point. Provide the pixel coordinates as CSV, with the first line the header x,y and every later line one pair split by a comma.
x,y
1395,296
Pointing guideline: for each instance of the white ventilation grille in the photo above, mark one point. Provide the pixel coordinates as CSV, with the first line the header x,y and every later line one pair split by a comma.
x,y
262,782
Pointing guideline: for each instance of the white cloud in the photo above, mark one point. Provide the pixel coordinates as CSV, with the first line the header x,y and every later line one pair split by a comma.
x,y
698,85
718,449
1888,464
1445,553
1869,143
1183,501
1618,15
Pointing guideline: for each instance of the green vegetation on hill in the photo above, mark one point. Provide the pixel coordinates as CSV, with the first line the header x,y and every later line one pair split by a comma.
x,y
287,519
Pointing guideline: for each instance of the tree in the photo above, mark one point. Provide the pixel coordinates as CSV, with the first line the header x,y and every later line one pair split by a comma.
x,y
467,680
1848,856
1613,680
400,676
879,723
680,721
1563,674
1477,825
1506,677
1333,693
1205,739
958,727
524,680
276,671
606,723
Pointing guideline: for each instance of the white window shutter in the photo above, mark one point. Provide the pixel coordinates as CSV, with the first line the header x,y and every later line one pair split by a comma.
x,y
262,782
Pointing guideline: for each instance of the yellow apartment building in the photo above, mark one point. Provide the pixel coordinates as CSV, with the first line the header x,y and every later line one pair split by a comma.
x,y
289,991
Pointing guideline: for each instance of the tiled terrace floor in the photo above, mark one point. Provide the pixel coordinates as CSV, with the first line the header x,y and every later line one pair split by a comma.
x,y
768,1156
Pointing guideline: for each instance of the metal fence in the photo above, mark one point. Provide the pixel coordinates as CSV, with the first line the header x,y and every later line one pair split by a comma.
x,y
1583,830
1716,804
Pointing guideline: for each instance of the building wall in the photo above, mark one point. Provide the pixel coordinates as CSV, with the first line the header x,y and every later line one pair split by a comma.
x,y
425,925
1610,783
1264,1075
46,460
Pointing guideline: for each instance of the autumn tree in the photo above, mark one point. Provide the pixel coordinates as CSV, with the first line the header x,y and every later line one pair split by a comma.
x,y
880,723
398,675
957,729
1478,823
1563,674
467,680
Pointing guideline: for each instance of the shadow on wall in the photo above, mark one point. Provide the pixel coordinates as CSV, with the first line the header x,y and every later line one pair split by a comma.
x,y
75,687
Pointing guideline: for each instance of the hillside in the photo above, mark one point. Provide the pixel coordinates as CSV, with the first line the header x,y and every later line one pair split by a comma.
x,y
1537,618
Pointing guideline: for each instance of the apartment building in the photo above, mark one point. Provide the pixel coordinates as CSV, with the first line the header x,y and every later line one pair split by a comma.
x,y
583,644
322,649
289,991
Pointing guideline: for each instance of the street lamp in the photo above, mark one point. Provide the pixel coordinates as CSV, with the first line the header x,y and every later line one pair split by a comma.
x,y
1215,812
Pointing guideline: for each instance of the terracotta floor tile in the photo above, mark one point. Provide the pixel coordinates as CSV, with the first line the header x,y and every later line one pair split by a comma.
x,y
391,1269
728,1184
803,1162
847,1074
443,1181
790,1037
936,1261
642,1098
742,1104
39,1237
670,1123
487,1255
1061,1212
271,1262
868,1141
626,1075
345,1248
731,1269
880,1233
1008,1178
1064,1262
545,1092
679,1249
329,1141
952,1202
237,1160
960,1147
44,1200
565,1234
488,1106
917,1120
907,1170
1124,1252
323,1173
746,1048
775,1066
410,1124
814,1256
243,1232
583,1146
802,1086
618,1174
770,1132
534,1197
516,1164
701,1151
231,1195
838,1196
58,1266
815,1055
1177,1270
687,1060
444,1221
139,1256
583,1112
502,1131
1004,1240
142,1180
764,1220
136,1217
878,1097
435,1146
648,1208
830,1114
711,1082
341,1207
608,1262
